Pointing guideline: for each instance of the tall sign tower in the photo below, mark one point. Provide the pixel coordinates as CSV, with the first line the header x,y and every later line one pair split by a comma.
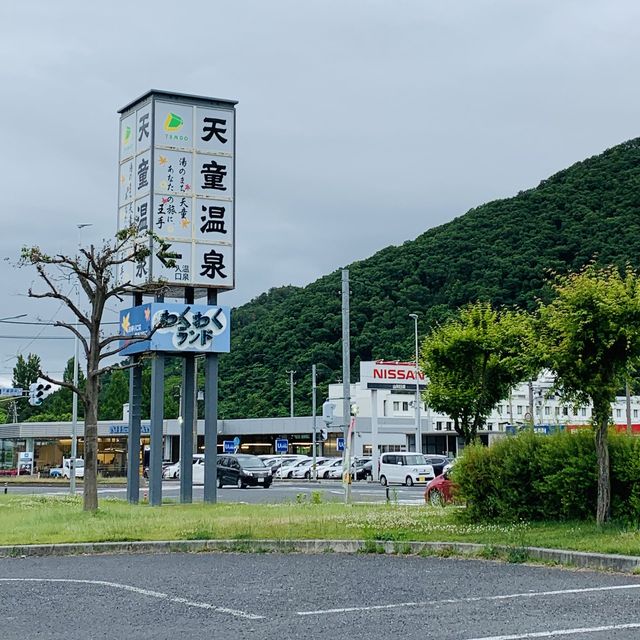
x,y
176,180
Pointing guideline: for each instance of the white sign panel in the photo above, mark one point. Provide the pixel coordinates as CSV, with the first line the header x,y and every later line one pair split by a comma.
x,y
385,374
177,180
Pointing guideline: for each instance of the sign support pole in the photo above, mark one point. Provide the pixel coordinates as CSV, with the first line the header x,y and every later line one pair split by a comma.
x,y
133,440
211,418
186,411
157,420
375,453
186,428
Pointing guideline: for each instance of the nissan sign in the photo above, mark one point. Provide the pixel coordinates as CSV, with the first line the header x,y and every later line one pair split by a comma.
x,y
385,374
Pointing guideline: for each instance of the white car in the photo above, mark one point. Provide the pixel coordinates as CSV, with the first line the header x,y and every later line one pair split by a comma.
x,y
329,470
171,471
288,466
405,468
304,469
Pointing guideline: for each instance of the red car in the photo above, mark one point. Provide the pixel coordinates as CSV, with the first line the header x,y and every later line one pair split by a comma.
x,y
440,490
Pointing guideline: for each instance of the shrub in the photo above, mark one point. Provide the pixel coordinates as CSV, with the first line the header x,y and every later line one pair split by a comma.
x,y
537,477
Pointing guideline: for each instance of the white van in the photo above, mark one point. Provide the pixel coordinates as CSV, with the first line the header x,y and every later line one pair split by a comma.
x,y
66,467
404,468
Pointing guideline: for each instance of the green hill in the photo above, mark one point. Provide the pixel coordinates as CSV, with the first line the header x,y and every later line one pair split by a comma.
x,y
499,251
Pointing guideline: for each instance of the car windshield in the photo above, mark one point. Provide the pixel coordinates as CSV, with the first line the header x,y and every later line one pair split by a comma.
x,y
417,459
250,461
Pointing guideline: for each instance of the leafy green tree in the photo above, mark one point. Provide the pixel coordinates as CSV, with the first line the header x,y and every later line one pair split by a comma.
x,y
26,370
25,373
472,362
590,338
57,407
114,393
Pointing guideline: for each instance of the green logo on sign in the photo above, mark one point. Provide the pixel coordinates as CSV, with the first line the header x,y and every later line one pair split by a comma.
x,y
173,122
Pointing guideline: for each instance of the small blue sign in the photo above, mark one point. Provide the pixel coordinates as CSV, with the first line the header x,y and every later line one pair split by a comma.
x,y
282,445
178,328
228,446
340,443
236,441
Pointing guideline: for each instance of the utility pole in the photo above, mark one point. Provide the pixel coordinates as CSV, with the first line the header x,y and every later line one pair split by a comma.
x,y
314,471
346,375
418,399
291,372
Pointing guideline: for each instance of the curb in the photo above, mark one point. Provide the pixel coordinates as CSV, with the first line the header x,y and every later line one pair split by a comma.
x,y
581,559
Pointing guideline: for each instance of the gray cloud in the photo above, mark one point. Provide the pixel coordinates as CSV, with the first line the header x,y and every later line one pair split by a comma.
x,y
360,124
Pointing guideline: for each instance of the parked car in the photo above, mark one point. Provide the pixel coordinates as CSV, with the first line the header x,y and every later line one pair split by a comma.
x,y
287,468
55,472
363,469
404,468
240,470
66,467
332,469
171,470
438,462
304,469
440,490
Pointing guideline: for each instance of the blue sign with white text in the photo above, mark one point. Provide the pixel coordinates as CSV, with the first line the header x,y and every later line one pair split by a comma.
x,y
282,445
174,327
228,446
340,444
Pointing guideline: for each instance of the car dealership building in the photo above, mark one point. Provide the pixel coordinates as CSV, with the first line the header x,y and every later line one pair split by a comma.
x,y
383,401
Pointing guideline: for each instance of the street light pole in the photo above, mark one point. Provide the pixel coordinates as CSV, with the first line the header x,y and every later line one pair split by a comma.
x,y
346,383
314,472
418,400
291,372
74,396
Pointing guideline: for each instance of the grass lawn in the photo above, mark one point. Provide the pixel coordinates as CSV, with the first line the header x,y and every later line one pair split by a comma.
x,y
42,520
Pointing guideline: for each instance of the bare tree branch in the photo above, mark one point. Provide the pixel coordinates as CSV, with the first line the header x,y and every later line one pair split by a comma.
x,y
70,327
54,293
61,383
120,367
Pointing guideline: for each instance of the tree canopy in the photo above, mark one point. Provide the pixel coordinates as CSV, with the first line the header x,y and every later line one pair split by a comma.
x,y
473,361
589,336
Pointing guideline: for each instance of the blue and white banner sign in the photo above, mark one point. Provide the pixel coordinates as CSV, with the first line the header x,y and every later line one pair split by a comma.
x,y
179,328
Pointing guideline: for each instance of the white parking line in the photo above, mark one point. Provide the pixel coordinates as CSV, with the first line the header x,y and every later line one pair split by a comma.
x,y
509,596
562,632
145,592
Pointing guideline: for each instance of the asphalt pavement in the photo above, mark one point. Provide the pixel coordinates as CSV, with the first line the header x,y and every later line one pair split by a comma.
x,y
282,596
278,492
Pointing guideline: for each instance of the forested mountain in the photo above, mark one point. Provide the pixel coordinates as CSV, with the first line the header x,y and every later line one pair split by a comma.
x,y
500,251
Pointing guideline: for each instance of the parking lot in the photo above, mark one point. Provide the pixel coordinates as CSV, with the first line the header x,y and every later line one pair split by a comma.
x,y
275,597
279,491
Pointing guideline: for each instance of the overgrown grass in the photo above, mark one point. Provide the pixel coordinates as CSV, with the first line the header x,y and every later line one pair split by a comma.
x,y
46,519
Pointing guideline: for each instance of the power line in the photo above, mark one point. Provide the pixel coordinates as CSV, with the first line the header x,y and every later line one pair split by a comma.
x,y
37,337
49,324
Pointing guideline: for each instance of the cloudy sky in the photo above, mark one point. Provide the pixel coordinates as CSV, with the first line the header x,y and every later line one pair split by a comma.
x,y
359,123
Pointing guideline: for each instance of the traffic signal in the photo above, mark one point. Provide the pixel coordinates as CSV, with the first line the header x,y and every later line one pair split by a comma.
x,y
37,391
324,434
327,412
